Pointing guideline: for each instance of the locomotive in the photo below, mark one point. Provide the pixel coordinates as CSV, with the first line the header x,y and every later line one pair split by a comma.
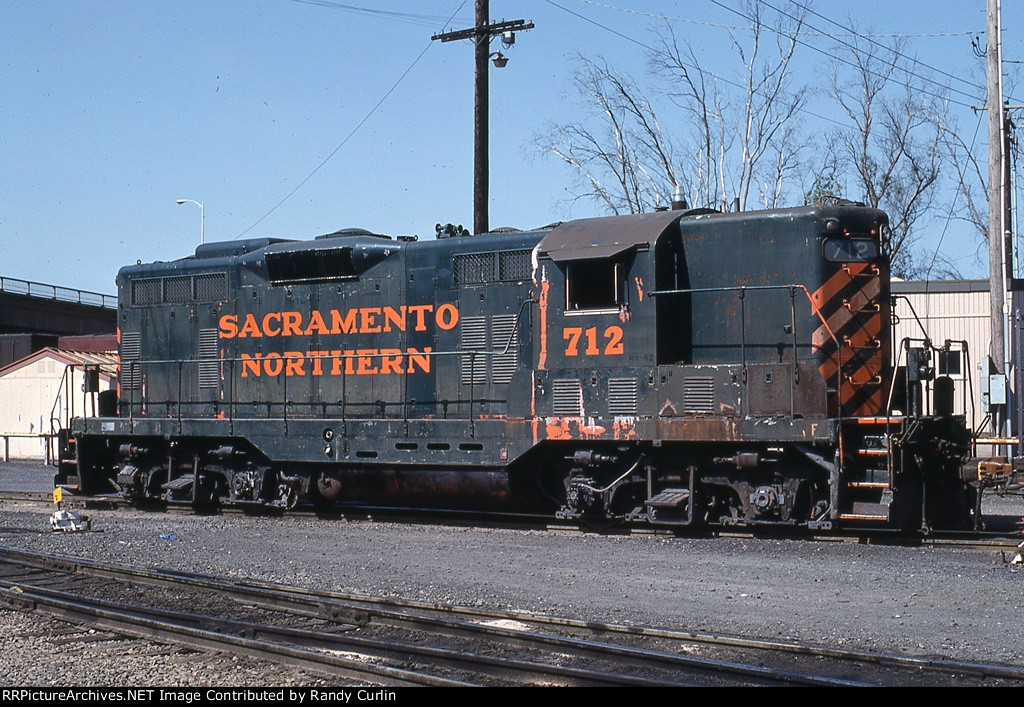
x,y
673,368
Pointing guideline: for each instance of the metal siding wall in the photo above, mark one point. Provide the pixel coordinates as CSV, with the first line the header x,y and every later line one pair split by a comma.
x,y
956,315
28,394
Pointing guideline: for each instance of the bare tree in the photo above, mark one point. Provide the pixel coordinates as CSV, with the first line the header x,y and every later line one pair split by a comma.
x,y
747,137
894,147
970,178
740,137
625,161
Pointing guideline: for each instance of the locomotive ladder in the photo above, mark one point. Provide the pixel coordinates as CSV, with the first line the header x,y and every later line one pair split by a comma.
x,y
866,492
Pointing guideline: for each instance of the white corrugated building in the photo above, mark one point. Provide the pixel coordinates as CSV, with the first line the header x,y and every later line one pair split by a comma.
x,y
36,389
955,310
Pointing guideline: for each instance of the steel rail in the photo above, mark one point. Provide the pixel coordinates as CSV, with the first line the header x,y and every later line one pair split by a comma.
x,y
524,671
147,625
361,610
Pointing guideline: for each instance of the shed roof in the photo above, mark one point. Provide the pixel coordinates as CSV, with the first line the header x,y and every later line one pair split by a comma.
x,y
107,362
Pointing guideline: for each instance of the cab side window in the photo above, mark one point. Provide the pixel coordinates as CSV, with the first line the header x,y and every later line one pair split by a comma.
x,y
595,285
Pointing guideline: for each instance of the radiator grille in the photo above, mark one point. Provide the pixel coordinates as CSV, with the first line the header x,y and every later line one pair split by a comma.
x,y
506,266
147,291
180,289
209,371
567,398
212,286
177,289
699,395
514,265
622,394
474,268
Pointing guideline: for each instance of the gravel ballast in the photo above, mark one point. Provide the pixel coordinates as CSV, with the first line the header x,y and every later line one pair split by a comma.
x,y
957,603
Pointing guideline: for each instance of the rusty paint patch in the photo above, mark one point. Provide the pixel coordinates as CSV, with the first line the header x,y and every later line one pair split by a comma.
x,y
623,429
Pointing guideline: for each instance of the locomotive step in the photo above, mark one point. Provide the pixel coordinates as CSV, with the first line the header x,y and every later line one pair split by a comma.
x,y
858,516
179,484
893,420
669,498
867,511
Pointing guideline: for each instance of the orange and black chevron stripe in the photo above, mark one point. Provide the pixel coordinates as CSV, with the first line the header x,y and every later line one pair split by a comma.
x,y
853,346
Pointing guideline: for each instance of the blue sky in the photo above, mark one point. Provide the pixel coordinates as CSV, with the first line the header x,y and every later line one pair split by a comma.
x,y
112,109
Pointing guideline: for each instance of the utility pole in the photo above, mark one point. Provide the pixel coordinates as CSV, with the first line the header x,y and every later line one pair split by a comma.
x,y
481,35
996,194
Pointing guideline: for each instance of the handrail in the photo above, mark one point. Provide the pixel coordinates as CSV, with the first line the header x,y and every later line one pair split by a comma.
x,y
14,286
61,388
131,402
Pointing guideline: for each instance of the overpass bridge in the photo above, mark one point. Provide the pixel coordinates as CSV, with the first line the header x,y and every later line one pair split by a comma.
x,y
36,308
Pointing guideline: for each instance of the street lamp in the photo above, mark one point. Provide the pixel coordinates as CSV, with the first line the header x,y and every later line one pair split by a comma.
x,y
202,218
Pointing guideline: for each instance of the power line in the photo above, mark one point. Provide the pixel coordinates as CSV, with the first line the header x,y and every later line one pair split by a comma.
x,y
698,69
349,136
406,17
841,59
817,33
952,206
888,48
690,20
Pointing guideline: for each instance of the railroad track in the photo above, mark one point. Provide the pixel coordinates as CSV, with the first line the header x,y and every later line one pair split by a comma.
x,y
394,642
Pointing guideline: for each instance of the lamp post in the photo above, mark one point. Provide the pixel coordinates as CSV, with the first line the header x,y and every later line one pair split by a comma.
x,y
202,218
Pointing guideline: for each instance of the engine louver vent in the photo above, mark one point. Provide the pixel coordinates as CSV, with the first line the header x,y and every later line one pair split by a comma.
x,y
209,371
131,352
503,363
622,394
699,395
473,337
567,398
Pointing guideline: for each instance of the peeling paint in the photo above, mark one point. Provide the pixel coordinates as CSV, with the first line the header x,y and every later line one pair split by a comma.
x,y
557,428
624,428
